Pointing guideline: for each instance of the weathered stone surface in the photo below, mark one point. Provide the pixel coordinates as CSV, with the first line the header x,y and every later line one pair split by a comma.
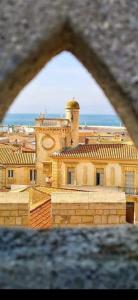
x,y
69,258
102,34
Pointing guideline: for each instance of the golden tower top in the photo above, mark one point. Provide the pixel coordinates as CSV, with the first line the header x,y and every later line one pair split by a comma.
x,y
72,104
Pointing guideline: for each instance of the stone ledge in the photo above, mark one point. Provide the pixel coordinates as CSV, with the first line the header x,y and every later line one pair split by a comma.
x,y
69,258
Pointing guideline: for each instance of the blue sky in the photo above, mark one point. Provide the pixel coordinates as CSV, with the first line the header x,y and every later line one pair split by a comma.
x,y
63,78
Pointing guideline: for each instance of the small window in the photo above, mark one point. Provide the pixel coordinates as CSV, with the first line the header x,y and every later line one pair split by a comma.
x,y
10,173
71,176
32,175
100,177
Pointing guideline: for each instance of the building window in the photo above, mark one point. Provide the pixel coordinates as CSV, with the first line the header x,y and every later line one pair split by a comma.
x,y
10,173
70,176
32,175
47,169
112,177
129,182
100,177
85,175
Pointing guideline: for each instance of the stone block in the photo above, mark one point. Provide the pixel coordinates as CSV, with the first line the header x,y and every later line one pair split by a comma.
x,y
59,212
121,211
23,206
71,212
18,221
57,219
4,213
122,219
106,212
9,221
80,212
25,220
87,219
112,211
8,206
97,219
99,211
75,219
14,213
79,206
90,212
113,219
1,220
104,220
23,212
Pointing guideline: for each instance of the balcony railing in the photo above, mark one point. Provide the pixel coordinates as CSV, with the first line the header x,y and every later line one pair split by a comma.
x,y
53,122
129,190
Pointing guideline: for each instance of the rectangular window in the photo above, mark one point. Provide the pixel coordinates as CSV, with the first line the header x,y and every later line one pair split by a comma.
x,y
70,176
10,173
100,177
129,182
35,174
32,175
85,175
47,169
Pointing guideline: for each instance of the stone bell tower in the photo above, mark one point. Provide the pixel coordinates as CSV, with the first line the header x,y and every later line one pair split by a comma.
x,y
72,113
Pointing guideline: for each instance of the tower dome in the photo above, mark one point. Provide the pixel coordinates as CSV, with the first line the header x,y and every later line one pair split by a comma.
x,y
72,104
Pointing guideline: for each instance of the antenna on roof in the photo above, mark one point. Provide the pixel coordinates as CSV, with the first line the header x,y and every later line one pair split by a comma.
x,y
45,111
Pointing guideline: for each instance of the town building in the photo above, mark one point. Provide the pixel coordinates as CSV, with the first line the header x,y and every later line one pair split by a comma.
x,y
103,174
16,167
60,156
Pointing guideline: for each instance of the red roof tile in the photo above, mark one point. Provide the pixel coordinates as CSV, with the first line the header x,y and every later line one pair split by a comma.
x,y
100,151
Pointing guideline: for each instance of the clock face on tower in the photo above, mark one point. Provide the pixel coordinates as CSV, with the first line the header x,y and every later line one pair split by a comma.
x,y
47,142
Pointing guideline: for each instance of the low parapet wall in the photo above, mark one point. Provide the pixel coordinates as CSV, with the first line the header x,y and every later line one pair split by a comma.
x,y
14,209
85,209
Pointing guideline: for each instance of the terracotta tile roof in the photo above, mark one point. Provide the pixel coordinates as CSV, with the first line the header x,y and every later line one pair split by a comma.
x,y
100,151
8,156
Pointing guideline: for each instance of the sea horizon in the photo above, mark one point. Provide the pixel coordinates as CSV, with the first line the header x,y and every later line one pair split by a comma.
x,y
85,119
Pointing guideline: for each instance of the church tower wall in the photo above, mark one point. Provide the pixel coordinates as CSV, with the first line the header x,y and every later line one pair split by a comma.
x,y
72,114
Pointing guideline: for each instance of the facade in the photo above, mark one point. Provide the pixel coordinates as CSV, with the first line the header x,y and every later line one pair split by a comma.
x,y
101,173
105,165
53,135
16,167
60,156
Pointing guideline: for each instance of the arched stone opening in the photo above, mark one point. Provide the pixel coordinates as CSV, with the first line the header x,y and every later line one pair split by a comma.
x,y
106,244
23,64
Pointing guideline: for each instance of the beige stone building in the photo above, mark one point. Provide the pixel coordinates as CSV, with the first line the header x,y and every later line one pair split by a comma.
x,y
16,167
60,156
61,161
105,175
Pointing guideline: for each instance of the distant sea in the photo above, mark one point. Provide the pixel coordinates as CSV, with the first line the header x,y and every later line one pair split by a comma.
x,y
95,120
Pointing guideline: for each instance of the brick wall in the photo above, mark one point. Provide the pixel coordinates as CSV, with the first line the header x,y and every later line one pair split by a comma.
x,y
87,214
40,216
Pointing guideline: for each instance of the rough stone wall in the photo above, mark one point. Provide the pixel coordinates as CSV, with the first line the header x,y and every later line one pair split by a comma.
x,y
40,217
86,258
101,34
87,214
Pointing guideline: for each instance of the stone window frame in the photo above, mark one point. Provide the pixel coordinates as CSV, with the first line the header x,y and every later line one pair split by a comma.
x,y
131,168
71,165
99,166
10,173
